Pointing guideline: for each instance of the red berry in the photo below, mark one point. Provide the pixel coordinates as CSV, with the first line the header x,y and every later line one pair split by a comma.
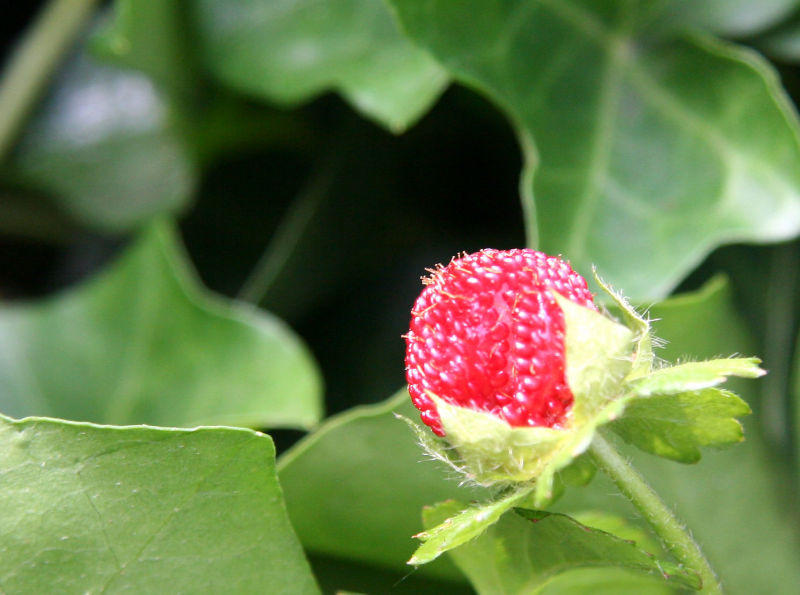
x,y
487,334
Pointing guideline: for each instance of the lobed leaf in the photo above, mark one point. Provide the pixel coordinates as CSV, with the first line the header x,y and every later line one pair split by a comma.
x,y
638,154
290,53
676,425
526,549
90,509
144,343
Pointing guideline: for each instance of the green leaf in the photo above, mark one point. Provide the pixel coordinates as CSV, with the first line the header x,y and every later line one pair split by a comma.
x,y
695,376
150,37
735,18
290,53
462,524
783,42
355,487
527,548
675,425
90,509
144,343
106,147
638,157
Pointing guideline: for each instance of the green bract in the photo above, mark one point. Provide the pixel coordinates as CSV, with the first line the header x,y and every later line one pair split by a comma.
x,y
666,410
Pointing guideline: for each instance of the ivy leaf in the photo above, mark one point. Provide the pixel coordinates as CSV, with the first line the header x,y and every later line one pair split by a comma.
x,y
675,425
90,509
637,155
150,37
106,147
290,53
695,376
734,18
144,343
527,548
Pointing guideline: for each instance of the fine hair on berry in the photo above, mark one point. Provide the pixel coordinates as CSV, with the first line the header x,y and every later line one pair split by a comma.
x,y
487,334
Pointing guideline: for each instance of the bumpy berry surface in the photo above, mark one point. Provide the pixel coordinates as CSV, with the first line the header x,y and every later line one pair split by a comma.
x,y
487,334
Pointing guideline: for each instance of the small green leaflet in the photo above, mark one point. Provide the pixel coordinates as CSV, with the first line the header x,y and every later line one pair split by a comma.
x,y
525,549
675,425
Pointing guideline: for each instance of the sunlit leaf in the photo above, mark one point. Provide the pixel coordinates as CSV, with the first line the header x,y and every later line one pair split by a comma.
x,y
290,52
675,425
696,375
144,343
457,524
101,509
641,154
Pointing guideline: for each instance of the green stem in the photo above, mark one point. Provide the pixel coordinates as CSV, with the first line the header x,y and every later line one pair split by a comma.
x,y
290,231
32,63
673,535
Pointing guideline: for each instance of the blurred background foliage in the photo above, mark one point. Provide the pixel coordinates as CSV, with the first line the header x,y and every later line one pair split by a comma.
x,y
313,158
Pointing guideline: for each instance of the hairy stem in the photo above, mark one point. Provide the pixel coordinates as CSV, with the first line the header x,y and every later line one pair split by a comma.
x,y
673,535
33,61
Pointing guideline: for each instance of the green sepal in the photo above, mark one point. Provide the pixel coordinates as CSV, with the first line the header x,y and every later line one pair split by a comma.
x,y
693,376
674,426
463,524
643,356
490,451
579,472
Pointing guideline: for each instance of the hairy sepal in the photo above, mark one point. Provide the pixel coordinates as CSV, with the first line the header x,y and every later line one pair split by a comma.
x,y
489,451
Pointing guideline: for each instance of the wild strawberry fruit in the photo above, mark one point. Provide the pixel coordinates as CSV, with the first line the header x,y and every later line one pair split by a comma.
x,y
488,334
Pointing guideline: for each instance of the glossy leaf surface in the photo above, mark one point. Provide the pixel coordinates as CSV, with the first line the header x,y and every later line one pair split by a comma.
x,y
91,509
143,343
290,52
641,154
